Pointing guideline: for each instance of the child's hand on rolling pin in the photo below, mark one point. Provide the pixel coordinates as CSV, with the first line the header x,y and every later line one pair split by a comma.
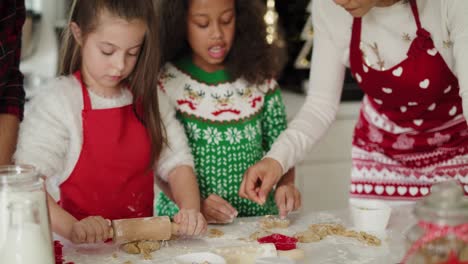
x,y
91,229
217,210
191,222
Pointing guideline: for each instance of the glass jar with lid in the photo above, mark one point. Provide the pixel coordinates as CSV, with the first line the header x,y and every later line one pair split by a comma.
x,y
23,211
441,234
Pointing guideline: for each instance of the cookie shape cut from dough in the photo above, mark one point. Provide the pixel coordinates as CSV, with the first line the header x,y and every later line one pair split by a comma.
x,y
270,222
141,247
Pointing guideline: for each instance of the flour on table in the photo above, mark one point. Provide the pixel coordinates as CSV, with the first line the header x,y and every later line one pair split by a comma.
x,y
215,233
246,254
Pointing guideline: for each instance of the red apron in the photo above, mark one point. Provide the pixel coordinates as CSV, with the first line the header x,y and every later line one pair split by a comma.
x,y
111,178
411,122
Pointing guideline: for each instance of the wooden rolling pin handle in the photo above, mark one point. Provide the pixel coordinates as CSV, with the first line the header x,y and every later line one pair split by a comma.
x,y
149,228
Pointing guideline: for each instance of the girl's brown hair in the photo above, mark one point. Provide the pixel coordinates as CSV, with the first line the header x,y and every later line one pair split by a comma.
x,y
250,57
143,79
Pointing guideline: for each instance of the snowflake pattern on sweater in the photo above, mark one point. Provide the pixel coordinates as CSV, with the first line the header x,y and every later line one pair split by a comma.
x,y
230,125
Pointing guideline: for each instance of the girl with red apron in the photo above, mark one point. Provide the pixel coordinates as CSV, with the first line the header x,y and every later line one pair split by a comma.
x,y
411,131
112,178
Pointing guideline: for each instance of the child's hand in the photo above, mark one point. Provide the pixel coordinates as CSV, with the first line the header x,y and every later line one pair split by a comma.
x,y
288,199
217,210
91,229
191,222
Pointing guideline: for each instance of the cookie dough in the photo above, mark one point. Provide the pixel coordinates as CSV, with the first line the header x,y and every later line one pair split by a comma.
x,y
369,239
270,222
141,247
307,237
324,230
258,234
214,233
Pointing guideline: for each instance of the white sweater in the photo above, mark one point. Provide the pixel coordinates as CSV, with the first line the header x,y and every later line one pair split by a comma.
x,y
446,20
51,133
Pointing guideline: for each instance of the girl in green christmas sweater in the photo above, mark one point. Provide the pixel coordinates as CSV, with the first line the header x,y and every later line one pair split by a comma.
x,y
219,76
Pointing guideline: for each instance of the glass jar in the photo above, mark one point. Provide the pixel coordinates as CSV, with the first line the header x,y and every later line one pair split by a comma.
x,y
441,234
24,215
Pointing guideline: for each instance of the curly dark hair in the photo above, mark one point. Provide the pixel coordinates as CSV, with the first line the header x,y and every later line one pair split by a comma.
x,y
250,57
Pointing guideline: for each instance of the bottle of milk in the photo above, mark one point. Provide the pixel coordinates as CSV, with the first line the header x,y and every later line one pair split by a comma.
x,y
24,218
26,243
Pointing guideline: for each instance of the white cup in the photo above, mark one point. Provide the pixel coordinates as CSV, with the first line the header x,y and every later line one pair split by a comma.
x,y
370,215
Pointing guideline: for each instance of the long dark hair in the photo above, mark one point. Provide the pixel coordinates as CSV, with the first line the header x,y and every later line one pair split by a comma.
x,y
251,57
143,79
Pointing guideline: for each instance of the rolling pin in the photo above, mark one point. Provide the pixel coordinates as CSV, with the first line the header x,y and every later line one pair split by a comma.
x,y
147,228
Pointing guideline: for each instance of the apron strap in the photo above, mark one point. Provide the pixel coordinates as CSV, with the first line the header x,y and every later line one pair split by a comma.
x,y
414,9
86,99
356,34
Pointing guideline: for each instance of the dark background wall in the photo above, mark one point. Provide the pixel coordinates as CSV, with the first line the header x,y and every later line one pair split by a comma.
x,y
293,16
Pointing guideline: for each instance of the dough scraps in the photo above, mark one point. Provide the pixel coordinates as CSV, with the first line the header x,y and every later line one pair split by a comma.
x,y
307,236
270,222
317,232
215,233
258,234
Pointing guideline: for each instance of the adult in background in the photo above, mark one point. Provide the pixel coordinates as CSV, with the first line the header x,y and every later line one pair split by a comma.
x,y
12,15
411,60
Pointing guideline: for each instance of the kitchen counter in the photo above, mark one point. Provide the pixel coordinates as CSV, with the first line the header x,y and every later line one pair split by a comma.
x,y
331,250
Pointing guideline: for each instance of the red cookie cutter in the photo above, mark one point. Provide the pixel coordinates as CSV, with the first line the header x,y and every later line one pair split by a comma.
x,y
281,242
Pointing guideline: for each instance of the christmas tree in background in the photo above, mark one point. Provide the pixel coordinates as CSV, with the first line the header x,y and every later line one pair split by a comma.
x,y
303,59
271,20
292,17
296,20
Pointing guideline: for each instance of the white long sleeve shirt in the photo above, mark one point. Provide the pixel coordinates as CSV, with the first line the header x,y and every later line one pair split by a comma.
x,y
51,134
387,33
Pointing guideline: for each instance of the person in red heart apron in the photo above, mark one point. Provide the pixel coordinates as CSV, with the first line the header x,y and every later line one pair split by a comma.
x,y
412,129
98,131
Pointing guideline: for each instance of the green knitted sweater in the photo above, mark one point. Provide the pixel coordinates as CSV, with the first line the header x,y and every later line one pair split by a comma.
x,y
229,124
